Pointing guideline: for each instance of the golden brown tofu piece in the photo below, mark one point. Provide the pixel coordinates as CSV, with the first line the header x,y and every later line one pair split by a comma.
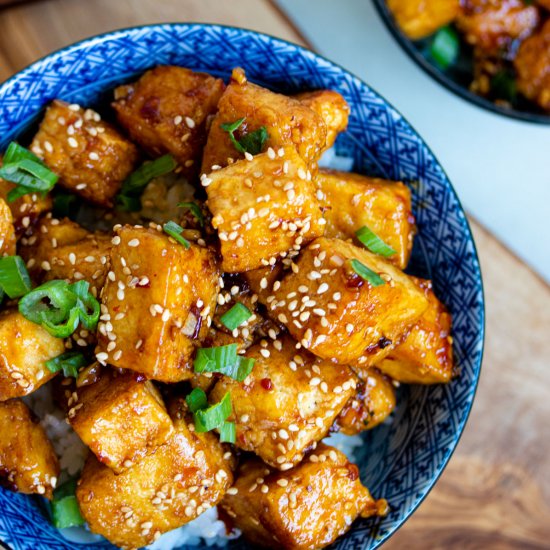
x,y
121,418
338,315
28,463
331,107
7,231
426,355
493,25
90,156
288,122
288,403
262,208
372,403
24,349
261,280
420,18
306,507
167,110
532,65
156,303
185,477
352,201
26,210
62,249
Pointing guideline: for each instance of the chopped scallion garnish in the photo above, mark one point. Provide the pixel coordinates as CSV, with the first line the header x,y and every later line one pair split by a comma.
x,y
69,362
228,432
365,273
196,400
223,359
214,416
252,142
236,316
14,277
195,210
129,197
373,242
174,230
64,506
27,171
445,47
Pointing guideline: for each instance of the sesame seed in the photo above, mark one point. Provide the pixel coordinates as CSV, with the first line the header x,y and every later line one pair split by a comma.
x,y
315,381
190,122
93,156
264,489
45,265
72,142
232,491
323,287
133,243
178,119
282,482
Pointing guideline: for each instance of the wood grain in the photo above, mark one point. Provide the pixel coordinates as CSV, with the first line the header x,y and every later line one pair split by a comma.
x,y
495,493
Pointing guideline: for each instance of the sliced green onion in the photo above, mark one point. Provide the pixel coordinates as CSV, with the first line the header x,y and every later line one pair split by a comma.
x,y
69,362
445,47
27,171
89,308
64,506
197,400
252,143
236,316
132,188
223,359
64,205
195,210
214,416
368,274
14,277
174,230
373,242
228,433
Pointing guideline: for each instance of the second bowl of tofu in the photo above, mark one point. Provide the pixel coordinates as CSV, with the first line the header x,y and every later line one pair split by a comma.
x,y
259,329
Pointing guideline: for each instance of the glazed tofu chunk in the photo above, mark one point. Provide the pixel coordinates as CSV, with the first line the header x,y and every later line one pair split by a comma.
x,y
7,231
90,156
306,507
167,111
24,349
156,303
186,476
420,18
494,25
336,314
331,107
121,418
532,65
426,355
288,122
62,249
352,201
288,403
262,208
372,403
28,463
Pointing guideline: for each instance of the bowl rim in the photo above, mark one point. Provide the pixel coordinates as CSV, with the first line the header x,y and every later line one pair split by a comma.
x,y
439,76
121,32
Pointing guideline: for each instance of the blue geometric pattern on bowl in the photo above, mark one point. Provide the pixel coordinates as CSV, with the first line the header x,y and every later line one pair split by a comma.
x,y
400,460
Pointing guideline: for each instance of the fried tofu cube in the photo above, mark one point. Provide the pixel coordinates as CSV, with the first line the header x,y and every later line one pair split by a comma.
x,y
306,507
24,349
493,27
90,156
28,463
7,231
167,111
532,64
426,355
186,476
420,18
353,201
336,314
263,208
62,249
26,210
287,404
288,122
156,303
121,418
261,280
372,403
331,107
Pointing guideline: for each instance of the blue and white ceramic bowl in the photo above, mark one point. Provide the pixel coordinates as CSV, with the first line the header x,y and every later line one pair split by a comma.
x,y
400,460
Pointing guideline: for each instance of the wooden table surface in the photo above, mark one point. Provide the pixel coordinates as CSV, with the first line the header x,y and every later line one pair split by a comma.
x,y
495,492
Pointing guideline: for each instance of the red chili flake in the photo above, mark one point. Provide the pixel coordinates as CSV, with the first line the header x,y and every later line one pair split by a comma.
x,y
266,384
